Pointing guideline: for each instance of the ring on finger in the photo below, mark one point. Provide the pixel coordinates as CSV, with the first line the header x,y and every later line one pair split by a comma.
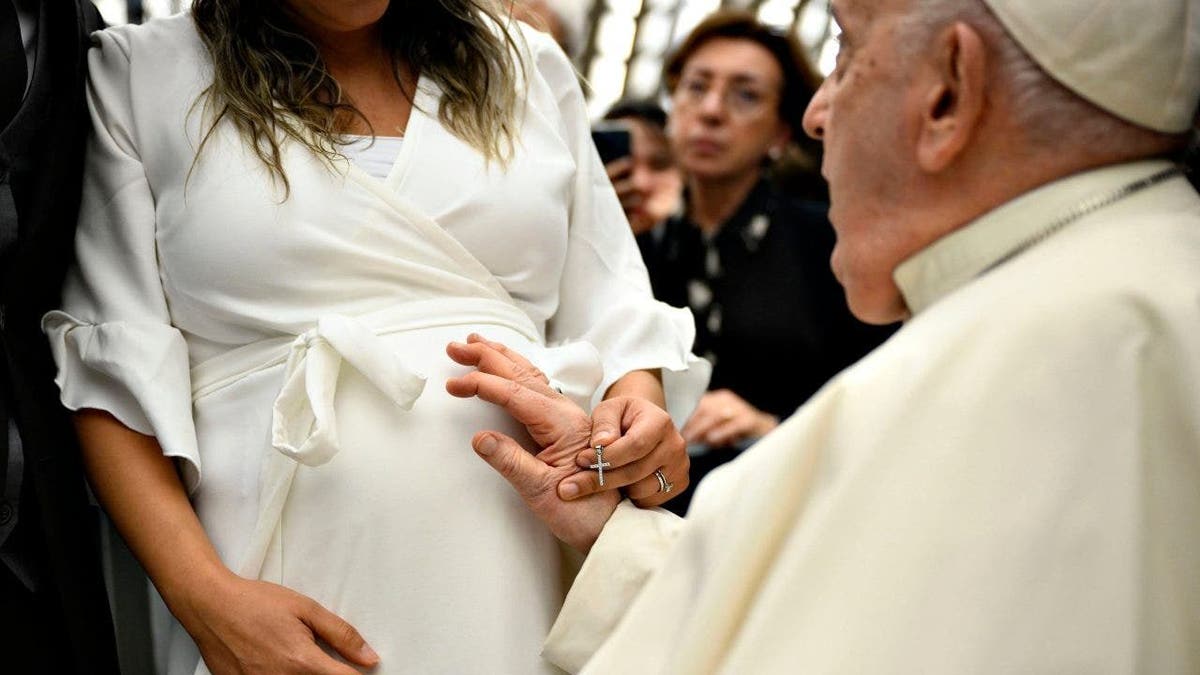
x,y
663,484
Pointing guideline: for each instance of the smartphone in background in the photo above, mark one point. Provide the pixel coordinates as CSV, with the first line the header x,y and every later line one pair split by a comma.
x,y
612,139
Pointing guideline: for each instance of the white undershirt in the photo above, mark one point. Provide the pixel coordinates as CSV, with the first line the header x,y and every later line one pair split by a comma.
x,y
375,158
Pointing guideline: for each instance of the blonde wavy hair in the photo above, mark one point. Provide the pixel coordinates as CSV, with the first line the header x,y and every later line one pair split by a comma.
x,y
270,82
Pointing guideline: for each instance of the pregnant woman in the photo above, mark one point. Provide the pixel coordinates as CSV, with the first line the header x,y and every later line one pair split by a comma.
x,y
290,208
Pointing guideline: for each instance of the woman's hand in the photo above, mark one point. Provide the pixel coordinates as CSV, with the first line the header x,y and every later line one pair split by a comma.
x,y
639,439
244,626
723,418
240,626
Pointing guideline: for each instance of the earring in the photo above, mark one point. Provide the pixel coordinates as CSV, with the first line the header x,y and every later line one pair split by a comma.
x,y
775,153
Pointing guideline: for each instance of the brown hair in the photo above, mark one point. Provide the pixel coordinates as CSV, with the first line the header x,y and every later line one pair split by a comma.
x,y
800,82
270,81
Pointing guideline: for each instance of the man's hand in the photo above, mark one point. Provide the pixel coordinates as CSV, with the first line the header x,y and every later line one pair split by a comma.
x,y
509,380
577,522
638,436
244,626
723,418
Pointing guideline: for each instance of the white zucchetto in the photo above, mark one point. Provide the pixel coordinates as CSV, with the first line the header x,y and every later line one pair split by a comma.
x,y
1138,59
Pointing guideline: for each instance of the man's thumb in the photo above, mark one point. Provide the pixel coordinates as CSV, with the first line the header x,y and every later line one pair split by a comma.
x,y
509,459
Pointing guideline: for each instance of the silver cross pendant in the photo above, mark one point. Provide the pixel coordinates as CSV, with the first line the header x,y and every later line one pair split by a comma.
x,y
600,464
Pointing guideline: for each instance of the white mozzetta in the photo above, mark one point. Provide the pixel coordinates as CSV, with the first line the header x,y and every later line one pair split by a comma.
x,y
1008,485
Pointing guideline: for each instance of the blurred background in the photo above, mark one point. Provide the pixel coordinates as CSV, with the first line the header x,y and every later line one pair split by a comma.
x,y
617,45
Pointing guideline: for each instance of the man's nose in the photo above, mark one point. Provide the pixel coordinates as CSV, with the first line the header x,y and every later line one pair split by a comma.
x,y
816,116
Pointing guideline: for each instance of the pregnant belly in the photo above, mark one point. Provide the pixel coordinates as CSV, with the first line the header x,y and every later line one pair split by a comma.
x,y
411,537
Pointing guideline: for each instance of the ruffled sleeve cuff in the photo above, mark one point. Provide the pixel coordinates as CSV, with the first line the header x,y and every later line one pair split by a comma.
x,y
650,335
136,371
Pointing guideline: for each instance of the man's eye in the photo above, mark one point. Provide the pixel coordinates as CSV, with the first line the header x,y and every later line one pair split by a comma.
x,y
695,86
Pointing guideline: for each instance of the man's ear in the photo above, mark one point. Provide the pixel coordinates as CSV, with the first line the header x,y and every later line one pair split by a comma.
x,y
952,107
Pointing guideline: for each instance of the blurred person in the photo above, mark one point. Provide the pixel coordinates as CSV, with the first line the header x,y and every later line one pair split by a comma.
x,y
540,15
1008,485
53,608
289,209
750,261
647,182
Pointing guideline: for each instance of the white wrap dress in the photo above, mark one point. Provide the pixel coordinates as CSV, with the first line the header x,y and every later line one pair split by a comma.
x,y
289,350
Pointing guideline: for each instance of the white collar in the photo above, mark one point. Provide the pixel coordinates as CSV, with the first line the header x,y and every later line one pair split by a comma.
x,y
960,256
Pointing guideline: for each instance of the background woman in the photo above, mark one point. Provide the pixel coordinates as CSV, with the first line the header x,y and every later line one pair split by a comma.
x,y
750,260
290,208
647,182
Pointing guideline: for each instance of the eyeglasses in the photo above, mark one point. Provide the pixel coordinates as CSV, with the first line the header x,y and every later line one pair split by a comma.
x,y
741,99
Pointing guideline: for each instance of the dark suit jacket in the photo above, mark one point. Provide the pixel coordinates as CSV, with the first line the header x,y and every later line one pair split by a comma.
x,y
55,540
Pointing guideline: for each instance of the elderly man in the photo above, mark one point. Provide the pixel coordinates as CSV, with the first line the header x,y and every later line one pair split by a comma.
x,y
1011,484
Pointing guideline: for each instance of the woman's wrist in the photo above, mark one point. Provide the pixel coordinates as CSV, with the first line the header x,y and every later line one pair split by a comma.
x,y
646,384
194,592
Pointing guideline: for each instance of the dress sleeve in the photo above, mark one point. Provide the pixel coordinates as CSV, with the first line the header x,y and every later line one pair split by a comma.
x,y
113,340
604,296
631,547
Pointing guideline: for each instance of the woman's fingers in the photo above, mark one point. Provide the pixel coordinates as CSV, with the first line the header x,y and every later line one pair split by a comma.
x,y
647,443
638,480
339,634
650,491
721,418
646,428
703,418
260,627
730,431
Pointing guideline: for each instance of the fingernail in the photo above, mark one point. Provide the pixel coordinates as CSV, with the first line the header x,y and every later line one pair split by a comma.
x,y
568,491
368,654
487,445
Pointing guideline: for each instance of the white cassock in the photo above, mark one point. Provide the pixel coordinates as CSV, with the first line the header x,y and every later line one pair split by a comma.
x,y
1011,484
290,354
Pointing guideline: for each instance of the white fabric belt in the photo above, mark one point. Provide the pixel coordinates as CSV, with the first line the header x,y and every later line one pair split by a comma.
x,y
303,422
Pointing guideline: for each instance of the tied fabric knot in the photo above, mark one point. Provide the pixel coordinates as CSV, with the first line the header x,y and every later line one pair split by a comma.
x,y
303,422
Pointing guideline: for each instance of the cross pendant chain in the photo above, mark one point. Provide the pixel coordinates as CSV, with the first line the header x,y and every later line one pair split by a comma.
x,y
600,464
